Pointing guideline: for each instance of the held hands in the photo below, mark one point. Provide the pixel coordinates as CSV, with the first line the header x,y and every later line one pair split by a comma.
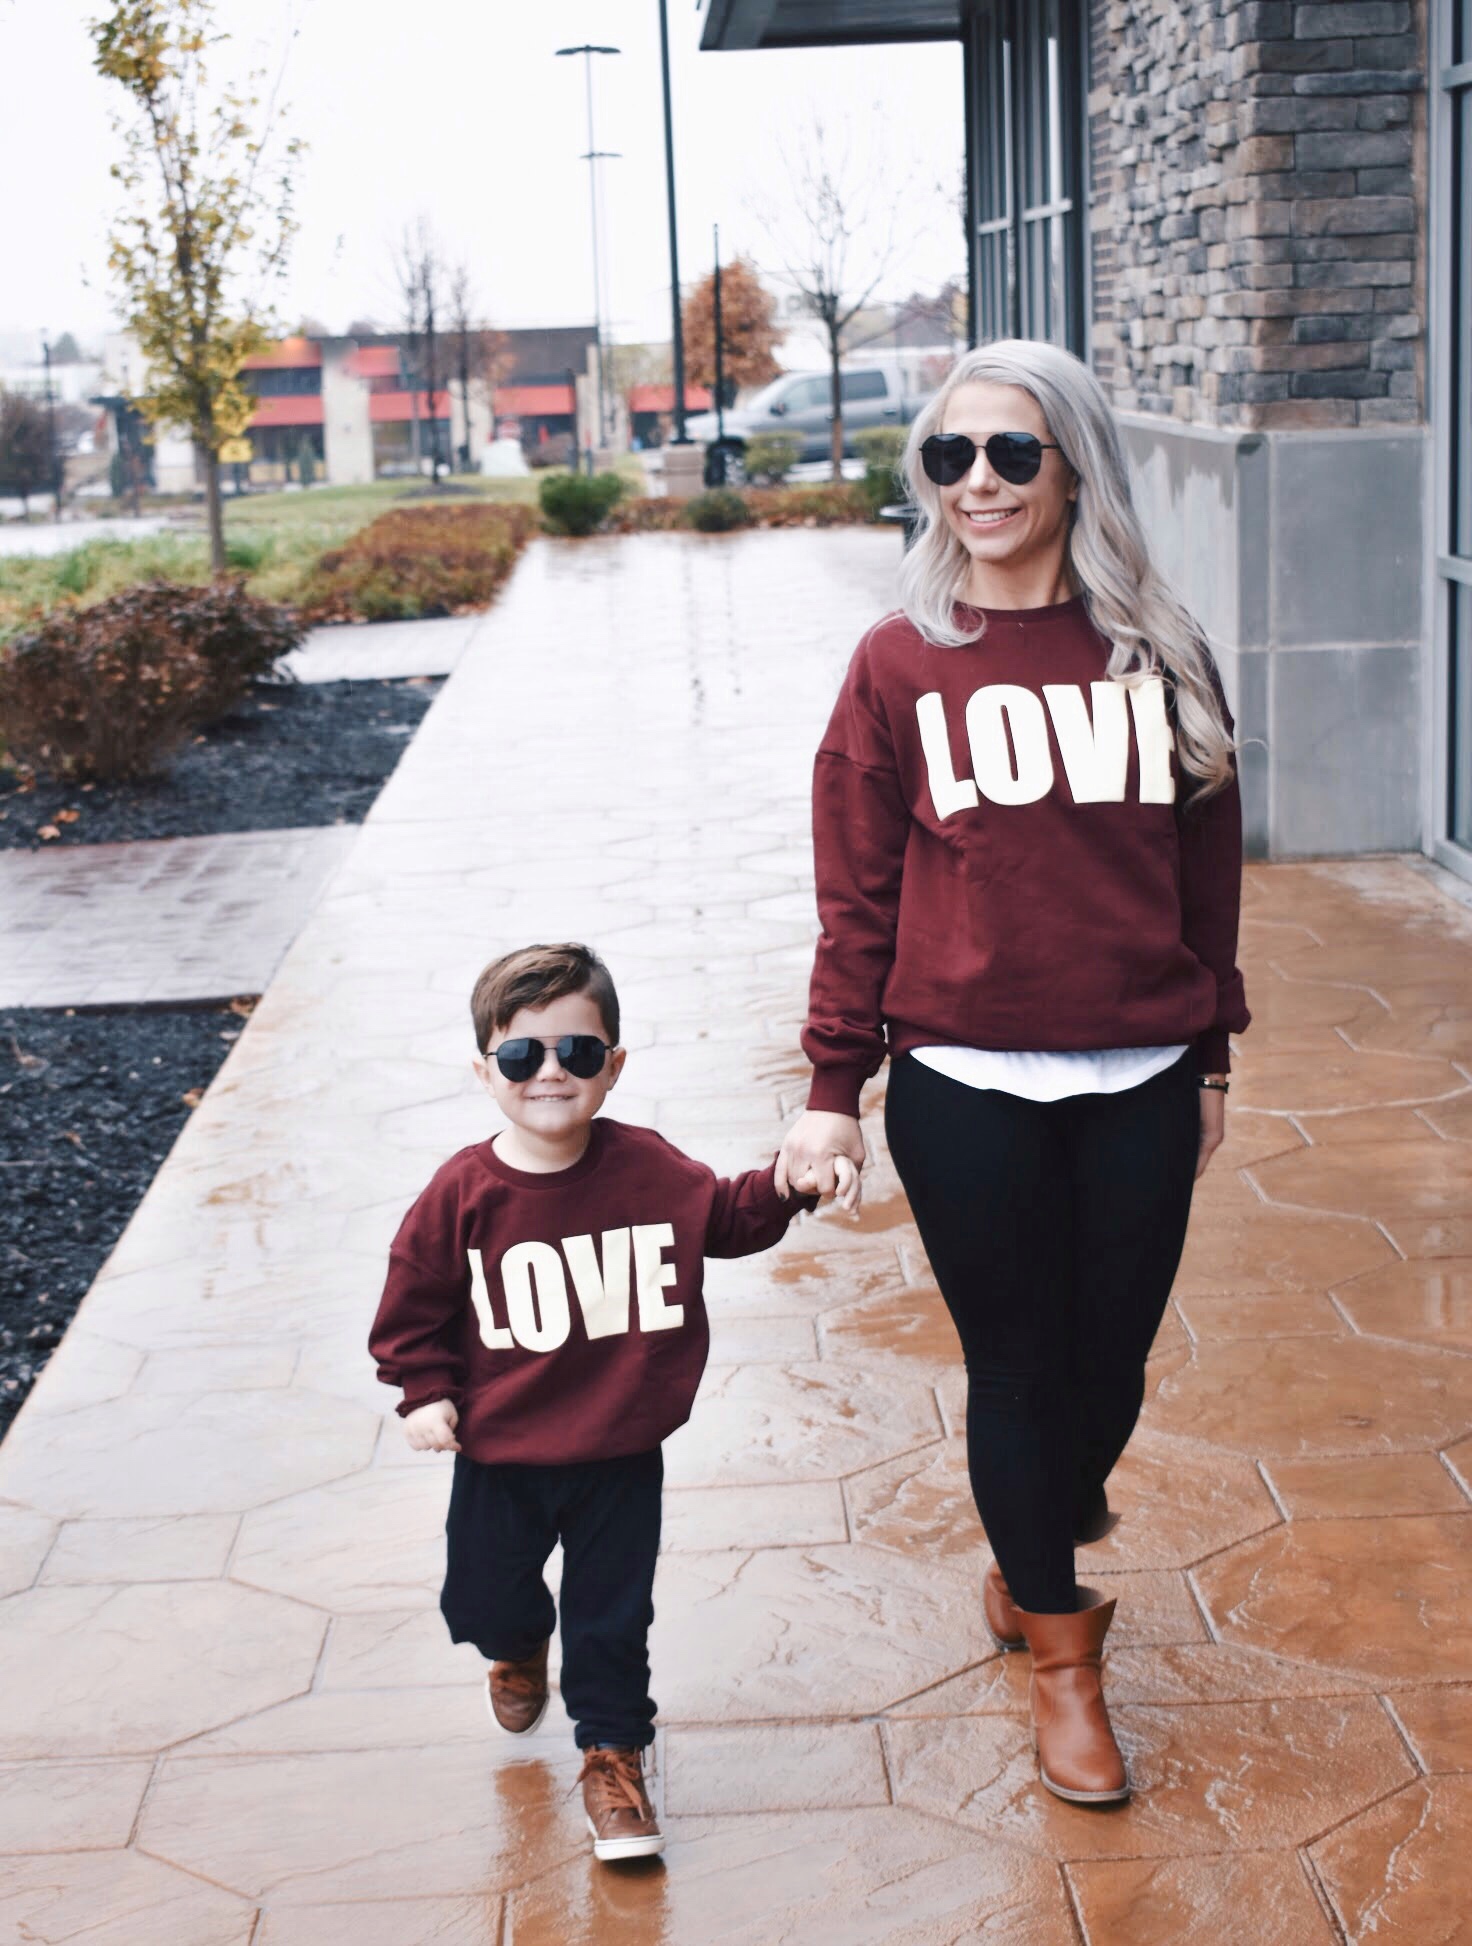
x,y
822,1155
1213,1126
431,1428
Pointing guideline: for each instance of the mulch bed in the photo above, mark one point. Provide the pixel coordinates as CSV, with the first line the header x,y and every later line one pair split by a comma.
x,y
292,754
90,1104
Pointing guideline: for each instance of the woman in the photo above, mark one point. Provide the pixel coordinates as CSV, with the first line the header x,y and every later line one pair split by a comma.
x,y
1027,838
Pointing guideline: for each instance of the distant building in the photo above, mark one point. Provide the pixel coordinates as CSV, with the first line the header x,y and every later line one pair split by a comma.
x,y
355,409
651,410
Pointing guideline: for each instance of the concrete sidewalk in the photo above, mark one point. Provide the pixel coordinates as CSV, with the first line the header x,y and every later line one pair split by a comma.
x,y
232,1714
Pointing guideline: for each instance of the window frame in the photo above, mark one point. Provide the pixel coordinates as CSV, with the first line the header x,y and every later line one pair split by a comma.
x,y
1026,120
1449,323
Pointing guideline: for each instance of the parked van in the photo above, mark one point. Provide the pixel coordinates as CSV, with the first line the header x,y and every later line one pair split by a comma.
x,y
799,404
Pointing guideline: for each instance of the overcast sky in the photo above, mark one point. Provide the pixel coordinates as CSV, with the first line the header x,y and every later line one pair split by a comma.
x,y
458,109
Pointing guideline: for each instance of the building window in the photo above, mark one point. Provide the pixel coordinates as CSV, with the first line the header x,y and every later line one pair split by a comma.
x,y
1455,552
285,381
1025,102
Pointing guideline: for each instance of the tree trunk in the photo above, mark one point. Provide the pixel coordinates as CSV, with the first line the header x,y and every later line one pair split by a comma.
x,y
836,404
214,506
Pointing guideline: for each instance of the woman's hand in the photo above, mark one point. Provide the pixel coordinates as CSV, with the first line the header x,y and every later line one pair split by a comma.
x,y
808,1159
1213,1126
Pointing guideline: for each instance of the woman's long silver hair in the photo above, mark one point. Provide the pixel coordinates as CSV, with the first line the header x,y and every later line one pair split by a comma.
x,y
1127,599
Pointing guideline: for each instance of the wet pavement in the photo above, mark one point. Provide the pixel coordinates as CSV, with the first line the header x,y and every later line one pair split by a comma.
x,y
158,920
355,651
232,1712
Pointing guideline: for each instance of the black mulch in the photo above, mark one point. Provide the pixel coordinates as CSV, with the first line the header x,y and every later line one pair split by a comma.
x,y
90,1104
291,755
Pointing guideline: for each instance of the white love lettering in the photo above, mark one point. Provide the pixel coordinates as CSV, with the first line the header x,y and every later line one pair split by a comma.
x,y
1012,758
538,1314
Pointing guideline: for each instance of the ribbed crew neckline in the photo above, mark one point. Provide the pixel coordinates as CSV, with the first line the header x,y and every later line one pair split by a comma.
x,y
1053,608
545,1178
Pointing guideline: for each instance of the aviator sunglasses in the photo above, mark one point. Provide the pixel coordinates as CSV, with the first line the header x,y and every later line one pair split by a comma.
x,y
521,1059
1015,456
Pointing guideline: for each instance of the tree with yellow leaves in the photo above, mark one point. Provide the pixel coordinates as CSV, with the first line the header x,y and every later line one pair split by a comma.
x,y
206,225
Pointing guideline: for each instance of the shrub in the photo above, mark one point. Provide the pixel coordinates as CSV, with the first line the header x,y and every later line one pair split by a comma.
x,y
109,691
771,456
814,506
415,561
572,503
881,448
718,511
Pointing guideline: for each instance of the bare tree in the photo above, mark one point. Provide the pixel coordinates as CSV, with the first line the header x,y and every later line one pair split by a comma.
x,y
25,448
420,273
837,237
482,355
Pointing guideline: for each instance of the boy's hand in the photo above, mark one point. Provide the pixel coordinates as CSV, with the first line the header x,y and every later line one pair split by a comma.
x,y
431,1428
850,1184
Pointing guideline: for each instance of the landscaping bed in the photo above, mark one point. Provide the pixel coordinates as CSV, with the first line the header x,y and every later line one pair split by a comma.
x,y
289,755
90,1104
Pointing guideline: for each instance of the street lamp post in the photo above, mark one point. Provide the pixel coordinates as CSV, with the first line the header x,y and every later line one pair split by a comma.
x,y
592,158
677,327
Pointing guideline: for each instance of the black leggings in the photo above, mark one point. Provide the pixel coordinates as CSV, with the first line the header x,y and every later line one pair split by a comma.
x,y
1054,1230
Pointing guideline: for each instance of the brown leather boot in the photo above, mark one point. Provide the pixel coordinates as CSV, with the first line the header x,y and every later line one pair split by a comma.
x,y
1077,1755
621,1820
516,1693
1000,1611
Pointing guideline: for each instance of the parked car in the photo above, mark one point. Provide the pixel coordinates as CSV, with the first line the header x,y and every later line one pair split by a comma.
x,y
800,403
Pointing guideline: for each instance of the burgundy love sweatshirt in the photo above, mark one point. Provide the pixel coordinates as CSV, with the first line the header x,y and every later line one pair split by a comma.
x,y
1007,856
562,1314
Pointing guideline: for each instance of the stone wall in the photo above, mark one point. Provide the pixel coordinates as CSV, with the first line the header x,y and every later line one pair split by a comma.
x,y
1256,218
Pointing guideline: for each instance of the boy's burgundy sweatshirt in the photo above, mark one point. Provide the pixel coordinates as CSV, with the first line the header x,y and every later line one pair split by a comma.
x,y
1007,857
562,1314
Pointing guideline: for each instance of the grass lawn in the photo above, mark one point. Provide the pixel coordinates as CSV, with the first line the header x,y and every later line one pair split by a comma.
x,y
275,539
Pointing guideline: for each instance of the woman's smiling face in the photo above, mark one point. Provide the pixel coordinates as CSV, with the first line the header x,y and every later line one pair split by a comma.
x,y
1001,525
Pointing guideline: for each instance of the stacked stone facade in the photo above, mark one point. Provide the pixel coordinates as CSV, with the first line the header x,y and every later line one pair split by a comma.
x,y
1256,209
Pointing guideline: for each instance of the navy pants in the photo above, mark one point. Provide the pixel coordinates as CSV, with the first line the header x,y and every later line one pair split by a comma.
x,y
504,1522
1054,1230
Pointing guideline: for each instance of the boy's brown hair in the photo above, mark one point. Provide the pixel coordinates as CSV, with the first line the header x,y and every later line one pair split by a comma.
x,y
534,976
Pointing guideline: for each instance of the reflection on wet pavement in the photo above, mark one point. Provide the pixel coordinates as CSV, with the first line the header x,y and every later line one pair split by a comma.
x,y
232,1712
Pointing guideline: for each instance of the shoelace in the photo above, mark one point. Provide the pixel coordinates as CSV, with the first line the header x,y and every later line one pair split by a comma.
x,y
617,1774
519,1679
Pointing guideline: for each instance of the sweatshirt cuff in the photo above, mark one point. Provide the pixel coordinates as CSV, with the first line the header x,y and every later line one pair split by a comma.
x,y
1213,1052
427,1392
835,1091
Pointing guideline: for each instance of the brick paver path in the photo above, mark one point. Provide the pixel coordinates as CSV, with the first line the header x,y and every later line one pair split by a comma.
x,y
231,1713
164,919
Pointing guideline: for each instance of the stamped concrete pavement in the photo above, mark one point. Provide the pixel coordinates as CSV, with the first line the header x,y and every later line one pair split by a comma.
x,y
232,1713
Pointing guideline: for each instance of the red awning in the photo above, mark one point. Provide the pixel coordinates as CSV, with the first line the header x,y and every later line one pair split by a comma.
x,y
661,398
533,401
373,361
292,354
305,410
395,407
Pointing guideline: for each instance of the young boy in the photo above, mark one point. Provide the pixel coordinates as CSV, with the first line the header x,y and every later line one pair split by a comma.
x,y
543,1316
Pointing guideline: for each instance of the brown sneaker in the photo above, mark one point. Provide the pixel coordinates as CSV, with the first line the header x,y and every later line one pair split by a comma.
x,y
516,1693
620,1816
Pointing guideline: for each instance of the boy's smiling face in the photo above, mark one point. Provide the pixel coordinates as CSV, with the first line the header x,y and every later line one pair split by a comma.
x,y
554,1104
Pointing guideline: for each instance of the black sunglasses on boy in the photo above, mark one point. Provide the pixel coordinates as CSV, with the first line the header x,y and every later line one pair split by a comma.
x,y
1015,456
521,1059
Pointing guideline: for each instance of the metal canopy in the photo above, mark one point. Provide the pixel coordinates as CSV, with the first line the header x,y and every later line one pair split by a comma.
x,y
733,24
